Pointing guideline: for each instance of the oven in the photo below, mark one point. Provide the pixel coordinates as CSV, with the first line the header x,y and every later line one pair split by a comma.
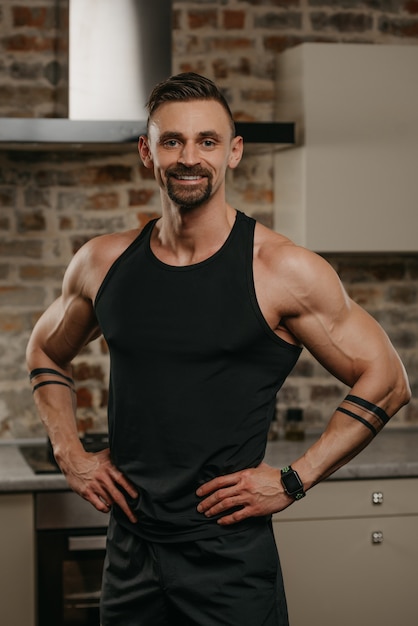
x,y
70,545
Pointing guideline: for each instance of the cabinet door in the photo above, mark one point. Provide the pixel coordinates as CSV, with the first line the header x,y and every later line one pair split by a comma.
x,y
17,560
335,575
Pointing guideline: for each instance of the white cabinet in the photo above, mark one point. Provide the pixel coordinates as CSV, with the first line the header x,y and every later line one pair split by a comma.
x,y
17,566
349,553
351,183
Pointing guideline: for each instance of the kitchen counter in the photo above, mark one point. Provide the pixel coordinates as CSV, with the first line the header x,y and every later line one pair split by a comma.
x,y
392,454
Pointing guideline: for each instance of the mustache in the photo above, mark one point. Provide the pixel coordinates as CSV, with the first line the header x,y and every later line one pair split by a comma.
x,y
182,170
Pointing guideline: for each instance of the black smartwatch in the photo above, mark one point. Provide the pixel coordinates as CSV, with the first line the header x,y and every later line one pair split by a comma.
x,y
292,483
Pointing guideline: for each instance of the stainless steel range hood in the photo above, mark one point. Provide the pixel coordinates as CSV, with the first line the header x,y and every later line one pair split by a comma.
x,y
117,53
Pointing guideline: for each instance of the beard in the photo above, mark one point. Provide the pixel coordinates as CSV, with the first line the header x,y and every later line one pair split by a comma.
x,y
188,196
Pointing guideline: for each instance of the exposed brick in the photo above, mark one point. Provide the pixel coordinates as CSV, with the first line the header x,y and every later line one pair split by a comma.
x,y
85,371
403,294
107,201
363,268
31,221
231,44
66,223
21,70
37,198
41,272
30,43
233,19
203,19
52,178
37,17
21,248
21,296
280,43
26,96
366,296
258,195
258,95
223,68
84,399
106,174
380,5
12,323
98,224
279,21
143,218
398,27
341,22
411,6
284,4
140,197
325,392
7,197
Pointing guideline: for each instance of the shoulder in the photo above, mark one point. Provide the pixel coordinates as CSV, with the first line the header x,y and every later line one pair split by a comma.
x,y
279,252
304,276
93,260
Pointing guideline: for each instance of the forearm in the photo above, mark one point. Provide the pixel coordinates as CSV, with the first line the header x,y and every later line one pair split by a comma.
x,y
356,421
55,400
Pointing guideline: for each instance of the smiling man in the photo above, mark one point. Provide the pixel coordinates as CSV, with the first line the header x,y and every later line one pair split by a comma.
x,y
205,313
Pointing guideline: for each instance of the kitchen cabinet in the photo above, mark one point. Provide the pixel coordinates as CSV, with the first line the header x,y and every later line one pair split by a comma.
x,y
17,560
350,184
349,554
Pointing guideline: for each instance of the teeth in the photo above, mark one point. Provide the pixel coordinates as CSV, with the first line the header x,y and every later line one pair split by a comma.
x,y
188,177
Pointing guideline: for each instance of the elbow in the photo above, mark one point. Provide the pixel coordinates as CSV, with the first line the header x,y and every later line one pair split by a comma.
x,y
401,393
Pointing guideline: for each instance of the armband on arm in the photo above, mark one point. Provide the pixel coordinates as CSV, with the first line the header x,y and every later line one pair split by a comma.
x,y
66,381
369,414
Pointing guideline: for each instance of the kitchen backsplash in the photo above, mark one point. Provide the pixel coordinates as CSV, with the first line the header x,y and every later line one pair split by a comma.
x,y
52,202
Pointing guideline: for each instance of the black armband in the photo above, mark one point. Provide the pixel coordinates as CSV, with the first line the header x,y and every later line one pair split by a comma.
x,y
51,382
47,370
371,415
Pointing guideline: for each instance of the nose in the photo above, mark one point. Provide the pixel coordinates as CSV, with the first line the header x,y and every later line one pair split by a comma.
x,y
189,154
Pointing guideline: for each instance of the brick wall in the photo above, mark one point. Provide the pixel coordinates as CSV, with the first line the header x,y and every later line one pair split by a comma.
x,y
51,203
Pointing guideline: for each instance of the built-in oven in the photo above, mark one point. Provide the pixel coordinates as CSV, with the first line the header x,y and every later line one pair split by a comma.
x,y
70,544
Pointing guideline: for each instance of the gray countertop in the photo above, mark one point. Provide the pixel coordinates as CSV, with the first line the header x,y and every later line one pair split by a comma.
x,y
393,454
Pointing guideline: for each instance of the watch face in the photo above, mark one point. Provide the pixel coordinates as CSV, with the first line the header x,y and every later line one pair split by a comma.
x,y
291,482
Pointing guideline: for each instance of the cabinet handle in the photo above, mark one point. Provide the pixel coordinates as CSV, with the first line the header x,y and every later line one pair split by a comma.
x,y
377,537
377,497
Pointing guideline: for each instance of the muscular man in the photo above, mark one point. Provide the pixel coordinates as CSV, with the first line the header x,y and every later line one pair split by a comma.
x,y
205,313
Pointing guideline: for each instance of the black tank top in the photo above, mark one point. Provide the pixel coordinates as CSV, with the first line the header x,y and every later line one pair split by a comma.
x,y
195,369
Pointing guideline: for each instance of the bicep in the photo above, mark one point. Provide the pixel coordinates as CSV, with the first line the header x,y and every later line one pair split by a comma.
x,y
62,331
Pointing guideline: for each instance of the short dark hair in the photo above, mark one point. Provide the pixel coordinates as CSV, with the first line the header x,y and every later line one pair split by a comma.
x,y
185,87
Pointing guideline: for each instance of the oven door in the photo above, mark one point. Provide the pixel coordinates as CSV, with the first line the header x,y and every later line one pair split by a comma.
x,y
69,561
70,566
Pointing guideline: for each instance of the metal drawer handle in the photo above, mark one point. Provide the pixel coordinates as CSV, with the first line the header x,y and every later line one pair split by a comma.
x,y
85,543
377,537
377,497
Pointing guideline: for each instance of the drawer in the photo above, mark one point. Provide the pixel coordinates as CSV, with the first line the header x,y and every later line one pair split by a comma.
x,y
356,498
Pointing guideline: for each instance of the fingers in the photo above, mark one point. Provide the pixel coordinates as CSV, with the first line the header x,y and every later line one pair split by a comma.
x,y
99,482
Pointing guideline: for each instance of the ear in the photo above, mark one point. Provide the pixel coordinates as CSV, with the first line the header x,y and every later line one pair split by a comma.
x,y
237,149
145,152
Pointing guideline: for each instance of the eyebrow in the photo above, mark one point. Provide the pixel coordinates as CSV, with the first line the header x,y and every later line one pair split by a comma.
x,y
213,134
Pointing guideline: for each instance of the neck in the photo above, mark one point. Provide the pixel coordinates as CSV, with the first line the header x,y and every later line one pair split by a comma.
x,y
187,237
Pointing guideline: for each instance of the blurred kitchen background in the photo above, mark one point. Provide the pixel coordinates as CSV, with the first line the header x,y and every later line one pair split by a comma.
x,y
53,199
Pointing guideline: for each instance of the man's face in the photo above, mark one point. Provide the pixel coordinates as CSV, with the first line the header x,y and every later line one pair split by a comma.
x,y
190,146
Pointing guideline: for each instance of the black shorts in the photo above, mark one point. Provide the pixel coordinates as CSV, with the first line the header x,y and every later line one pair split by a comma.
x,y
232,580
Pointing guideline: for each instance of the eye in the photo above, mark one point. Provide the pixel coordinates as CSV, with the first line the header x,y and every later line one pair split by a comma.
x,y
208,143
170,143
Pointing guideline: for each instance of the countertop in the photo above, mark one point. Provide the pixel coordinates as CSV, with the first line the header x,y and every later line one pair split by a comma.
x,y
392,454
